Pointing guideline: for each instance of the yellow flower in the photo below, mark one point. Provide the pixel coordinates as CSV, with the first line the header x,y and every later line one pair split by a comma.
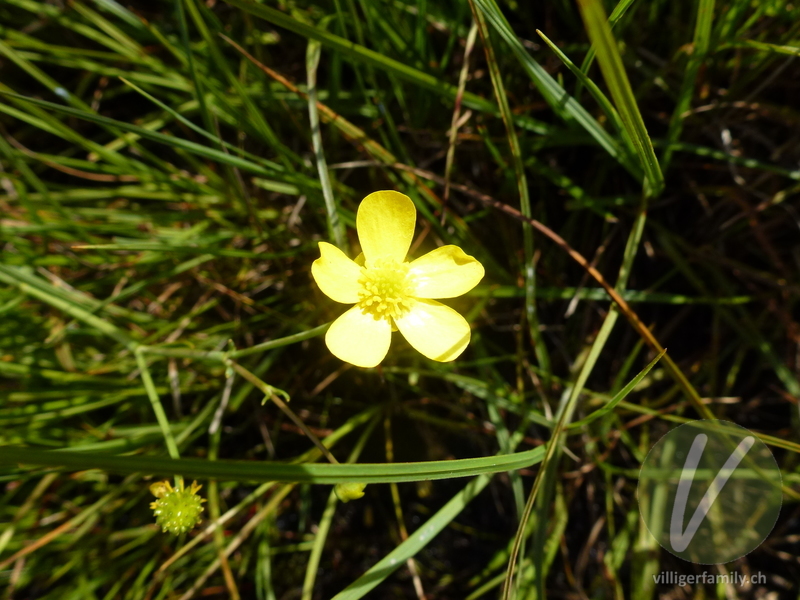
x,y
390,293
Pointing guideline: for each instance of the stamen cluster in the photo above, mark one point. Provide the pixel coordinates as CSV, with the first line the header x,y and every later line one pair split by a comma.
x,y
385,289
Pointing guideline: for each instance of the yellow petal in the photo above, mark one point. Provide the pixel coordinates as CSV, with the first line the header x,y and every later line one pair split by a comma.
x,y
336,275
435,330
385,223
359,338
446,272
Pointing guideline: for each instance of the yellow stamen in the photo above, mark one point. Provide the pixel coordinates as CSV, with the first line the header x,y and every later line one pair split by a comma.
x,y
385,289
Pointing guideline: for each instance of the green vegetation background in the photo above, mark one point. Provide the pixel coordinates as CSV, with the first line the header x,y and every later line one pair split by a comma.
x,y
167,170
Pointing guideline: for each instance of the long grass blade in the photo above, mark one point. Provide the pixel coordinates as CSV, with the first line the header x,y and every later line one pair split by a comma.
x,y
228,470
617,80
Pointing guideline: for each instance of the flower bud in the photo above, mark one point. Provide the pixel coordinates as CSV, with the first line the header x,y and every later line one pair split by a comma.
x,y
349,491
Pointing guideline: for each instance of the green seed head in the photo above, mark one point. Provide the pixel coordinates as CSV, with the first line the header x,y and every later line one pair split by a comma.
x,y
177,510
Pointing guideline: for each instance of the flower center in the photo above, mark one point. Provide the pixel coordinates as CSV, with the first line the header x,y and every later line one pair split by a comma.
x,y
385,289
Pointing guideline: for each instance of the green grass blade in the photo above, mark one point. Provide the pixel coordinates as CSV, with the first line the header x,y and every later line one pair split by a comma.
x,y
617,80
619,397
619,11
591,86
700,48
230,470
766,47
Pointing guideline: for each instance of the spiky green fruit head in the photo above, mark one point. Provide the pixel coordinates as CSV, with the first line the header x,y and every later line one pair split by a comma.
x,y
177,510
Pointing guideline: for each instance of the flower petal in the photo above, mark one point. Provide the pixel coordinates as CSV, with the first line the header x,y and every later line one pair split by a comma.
x,y
435,330
336,275
385,223
446,272
359,338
